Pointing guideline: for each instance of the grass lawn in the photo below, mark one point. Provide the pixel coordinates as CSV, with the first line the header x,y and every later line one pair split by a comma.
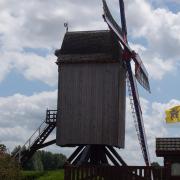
x,y
46,175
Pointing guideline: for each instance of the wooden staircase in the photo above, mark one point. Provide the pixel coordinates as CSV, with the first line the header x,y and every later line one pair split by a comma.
x,y
37,140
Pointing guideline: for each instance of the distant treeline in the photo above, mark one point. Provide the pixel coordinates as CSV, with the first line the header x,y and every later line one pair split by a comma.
x,y
43,160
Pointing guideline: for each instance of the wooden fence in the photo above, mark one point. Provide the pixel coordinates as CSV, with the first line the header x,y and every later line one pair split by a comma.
x,y
115,173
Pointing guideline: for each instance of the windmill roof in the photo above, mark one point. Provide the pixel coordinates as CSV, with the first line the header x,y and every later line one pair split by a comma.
x,y
83,46
167,146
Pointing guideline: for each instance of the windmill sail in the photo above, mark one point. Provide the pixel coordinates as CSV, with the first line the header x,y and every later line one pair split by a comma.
x,y
137,113
141,73
114,26
108,17
123,18
141,77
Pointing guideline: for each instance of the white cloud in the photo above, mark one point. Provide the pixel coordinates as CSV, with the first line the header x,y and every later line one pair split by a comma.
x,y
6,67
30,65
36,24
156,66
25,111
33,24
39,24
160,29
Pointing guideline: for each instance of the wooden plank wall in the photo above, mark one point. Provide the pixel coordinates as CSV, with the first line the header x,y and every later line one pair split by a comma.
x,y
91,104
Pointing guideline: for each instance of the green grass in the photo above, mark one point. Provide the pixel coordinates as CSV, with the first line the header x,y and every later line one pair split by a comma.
x,y
53,175
29,175
46,175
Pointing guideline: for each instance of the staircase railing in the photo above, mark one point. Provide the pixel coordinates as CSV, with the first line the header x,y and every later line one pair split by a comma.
x,y
47,123
51,116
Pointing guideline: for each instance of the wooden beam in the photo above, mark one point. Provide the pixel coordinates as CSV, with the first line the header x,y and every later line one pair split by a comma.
x,y
85,155
75,153
113,160
114,152
45,144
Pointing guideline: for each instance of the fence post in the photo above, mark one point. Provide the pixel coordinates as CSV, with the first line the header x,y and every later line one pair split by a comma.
x,y
147,173
168,172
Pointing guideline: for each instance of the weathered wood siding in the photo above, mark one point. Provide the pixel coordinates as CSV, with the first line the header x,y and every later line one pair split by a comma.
x,y
91,104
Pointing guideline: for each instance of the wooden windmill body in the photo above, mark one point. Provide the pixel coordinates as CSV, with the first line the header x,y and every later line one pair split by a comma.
x,y
91,96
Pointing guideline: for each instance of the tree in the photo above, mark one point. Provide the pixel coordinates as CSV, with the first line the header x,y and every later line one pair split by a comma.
x,y
3,149
15,150
43,160
37,162
155,164
9,168
60,159
52,161
29,165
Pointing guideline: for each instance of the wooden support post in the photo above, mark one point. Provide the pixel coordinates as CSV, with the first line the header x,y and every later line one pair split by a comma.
x,y
75,153
85,155
103,156
113,151
113,160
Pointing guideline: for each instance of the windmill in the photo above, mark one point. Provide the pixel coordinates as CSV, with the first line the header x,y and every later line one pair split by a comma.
x,y
82,62
93,66
140,73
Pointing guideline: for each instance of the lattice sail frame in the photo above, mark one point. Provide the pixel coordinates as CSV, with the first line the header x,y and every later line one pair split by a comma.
x,y
140,74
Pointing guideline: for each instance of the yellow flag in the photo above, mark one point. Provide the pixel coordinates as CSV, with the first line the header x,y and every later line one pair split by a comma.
x,y
173,115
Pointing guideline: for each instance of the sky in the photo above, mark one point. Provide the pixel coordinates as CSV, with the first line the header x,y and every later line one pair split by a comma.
x,y
30,31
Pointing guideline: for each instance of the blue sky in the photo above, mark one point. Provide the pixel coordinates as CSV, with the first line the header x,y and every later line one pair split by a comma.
x,y
31,31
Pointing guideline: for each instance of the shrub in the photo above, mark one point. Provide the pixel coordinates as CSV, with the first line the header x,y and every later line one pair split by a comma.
x,y
9,168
